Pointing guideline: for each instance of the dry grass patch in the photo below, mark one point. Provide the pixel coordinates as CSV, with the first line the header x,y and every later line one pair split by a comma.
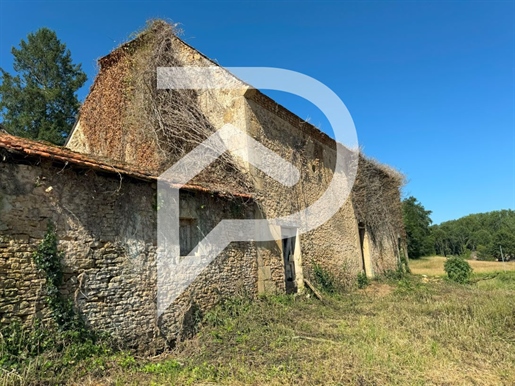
x,y
433,266
413,333
405,332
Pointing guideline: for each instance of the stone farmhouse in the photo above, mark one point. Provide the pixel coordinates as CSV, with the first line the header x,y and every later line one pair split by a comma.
x,y
100,191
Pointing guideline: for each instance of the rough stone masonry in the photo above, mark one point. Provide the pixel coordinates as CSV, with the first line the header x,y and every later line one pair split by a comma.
x,y
106,225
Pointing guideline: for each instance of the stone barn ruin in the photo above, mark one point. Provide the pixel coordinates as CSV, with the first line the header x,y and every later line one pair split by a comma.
x,y
100,191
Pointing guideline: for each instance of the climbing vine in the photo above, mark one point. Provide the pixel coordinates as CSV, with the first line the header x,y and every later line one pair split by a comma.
x,y
48,260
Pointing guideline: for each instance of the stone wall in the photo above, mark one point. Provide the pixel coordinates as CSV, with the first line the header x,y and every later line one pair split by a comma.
x,y
106,224
334,245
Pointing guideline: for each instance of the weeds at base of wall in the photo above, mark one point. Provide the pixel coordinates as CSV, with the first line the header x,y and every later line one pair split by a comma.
x,y
324,279
401,272
44,350
227,308
362,280
345,281
348,281
393,274
404,262
49,346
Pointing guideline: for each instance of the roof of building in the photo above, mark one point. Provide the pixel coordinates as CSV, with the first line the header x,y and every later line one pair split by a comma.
x,y
30,149
268,103
252,94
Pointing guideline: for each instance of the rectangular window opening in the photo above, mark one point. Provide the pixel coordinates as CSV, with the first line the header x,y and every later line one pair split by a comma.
x,y
187,235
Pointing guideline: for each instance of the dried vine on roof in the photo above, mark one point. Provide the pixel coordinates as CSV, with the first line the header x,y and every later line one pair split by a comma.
x,y
174,119
376,199
126,118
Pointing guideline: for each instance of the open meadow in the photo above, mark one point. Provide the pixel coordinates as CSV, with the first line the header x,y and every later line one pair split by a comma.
x,y
433,266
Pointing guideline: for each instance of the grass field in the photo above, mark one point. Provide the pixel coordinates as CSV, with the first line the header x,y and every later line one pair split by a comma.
x,y
412,331
433,266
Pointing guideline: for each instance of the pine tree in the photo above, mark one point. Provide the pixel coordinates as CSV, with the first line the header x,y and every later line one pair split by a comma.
x,y
40,101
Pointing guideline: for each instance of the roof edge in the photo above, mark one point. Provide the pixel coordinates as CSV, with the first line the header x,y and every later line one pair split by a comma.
x,y
252,93
39,149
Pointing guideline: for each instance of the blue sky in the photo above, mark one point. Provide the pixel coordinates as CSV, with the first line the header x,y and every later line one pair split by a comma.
x,y
430,85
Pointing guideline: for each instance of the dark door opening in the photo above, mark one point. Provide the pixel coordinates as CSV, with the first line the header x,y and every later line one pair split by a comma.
x,y
361,228
366,256
288,258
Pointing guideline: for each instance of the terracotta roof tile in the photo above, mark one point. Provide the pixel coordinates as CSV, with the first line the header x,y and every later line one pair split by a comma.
x,y
35,149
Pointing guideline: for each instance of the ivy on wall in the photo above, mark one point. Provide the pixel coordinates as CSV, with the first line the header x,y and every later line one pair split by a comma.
x,y
48,260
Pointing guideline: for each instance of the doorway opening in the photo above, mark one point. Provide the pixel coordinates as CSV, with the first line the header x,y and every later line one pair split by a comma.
x,y
365,250
289,239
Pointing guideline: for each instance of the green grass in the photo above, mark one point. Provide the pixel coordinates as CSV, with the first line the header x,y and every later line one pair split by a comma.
x,y
412,331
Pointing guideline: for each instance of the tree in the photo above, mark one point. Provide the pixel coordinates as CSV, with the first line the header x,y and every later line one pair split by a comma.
x,y
480,232
40,101
417,222
441,242
504,239
481,237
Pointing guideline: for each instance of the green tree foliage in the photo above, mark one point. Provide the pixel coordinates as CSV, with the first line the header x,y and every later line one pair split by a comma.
x,y
484,233
504,238
40,102
417,222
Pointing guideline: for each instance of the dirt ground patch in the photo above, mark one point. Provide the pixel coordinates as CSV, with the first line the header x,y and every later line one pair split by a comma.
x,y
378,290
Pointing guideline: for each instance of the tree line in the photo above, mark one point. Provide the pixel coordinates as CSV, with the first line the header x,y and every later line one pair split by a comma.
x,y
40,100
488,235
